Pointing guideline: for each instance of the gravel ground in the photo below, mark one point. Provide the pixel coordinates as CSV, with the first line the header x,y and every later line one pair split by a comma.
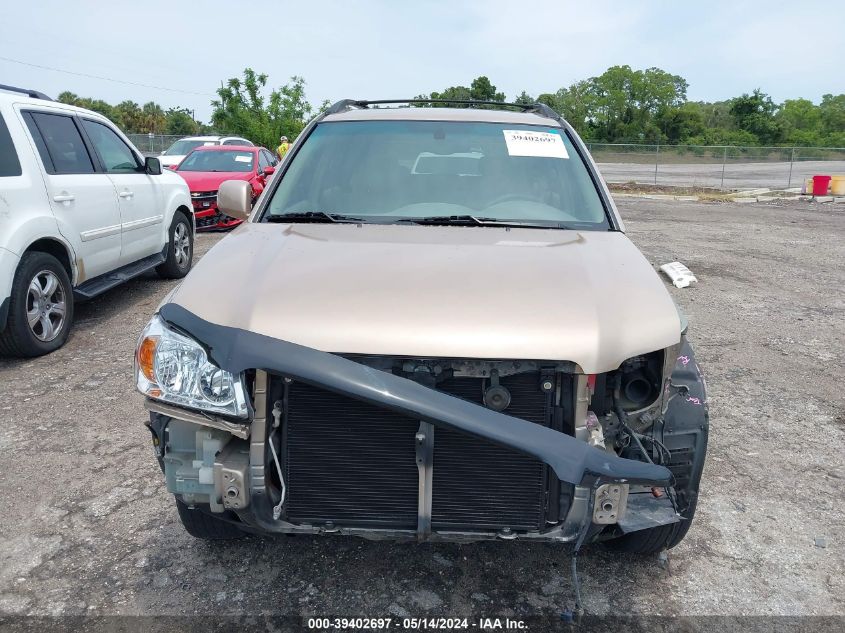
x,y
88,527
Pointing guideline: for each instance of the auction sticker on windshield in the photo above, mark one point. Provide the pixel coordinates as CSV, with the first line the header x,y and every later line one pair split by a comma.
x,y
528,143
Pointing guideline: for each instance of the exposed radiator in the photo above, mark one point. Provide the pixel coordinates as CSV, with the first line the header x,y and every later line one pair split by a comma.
x,y
354,464
348,462
480,484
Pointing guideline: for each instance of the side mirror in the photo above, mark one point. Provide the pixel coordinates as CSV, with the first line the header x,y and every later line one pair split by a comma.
x,y
163,152
234,198
152,166
268,171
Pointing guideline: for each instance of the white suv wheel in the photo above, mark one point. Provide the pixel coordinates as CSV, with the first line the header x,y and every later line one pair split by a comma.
x,y
46,306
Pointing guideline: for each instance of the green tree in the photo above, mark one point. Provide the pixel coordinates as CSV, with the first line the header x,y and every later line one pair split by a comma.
x,y
152,118
525,98
832,113
132,120
479,90
626,102
576,104
455,93
800,120
482,90
289,109
716,114
97,105
242,109
179,121
680,123
755,113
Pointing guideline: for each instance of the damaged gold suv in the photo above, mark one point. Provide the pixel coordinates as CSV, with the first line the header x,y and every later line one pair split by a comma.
x,y
433,328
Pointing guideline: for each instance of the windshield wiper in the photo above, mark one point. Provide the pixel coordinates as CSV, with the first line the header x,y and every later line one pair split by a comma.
x,y
311,216
471,220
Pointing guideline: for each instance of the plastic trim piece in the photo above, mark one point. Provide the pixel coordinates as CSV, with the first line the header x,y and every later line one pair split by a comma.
x,y
573,461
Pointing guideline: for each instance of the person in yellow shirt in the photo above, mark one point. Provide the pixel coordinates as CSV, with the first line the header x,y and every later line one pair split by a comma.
x,y
283,147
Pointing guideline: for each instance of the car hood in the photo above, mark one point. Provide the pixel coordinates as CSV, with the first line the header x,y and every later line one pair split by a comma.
x,y
170,159
211,180
589,297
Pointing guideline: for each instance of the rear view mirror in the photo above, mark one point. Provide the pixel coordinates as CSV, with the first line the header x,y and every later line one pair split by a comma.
x,y
234,198
152,166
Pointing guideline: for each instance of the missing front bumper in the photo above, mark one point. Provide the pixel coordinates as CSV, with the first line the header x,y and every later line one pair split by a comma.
x,y
572,461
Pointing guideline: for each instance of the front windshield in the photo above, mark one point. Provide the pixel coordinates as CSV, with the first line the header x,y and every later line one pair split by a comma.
x,y
381,171
181,148
217,160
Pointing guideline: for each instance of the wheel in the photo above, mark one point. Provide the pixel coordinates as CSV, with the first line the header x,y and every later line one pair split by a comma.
x,y
180,249
40,309
202,525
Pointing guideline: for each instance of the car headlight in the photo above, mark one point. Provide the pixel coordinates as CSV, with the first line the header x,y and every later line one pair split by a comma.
x,y
174,368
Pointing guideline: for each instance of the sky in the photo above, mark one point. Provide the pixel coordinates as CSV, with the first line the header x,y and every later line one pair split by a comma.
x,y
374,49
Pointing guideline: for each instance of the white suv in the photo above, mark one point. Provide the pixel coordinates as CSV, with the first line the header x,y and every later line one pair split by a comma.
x,y
176,153
81,211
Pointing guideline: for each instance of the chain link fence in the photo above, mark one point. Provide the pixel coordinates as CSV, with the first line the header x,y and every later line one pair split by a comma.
x,y
714,166
153,144
717,166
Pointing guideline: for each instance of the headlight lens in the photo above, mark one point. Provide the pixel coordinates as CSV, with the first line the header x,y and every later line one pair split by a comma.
x,y
174,368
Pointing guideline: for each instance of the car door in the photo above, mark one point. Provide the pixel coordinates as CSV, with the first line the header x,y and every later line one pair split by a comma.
x,y
82,199
138,196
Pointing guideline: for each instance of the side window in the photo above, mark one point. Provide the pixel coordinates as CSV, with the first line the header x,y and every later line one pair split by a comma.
x,y
59,143
116,156
9,163
271,157
262,161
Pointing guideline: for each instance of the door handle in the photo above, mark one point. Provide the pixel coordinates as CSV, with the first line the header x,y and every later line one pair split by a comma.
x,y
64,197
126,194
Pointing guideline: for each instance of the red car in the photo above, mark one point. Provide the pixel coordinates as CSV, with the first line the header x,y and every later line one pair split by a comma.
x,y
208,166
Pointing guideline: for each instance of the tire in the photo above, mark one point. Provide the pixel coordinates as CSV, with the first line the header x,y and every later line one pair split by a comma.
x,y
204,526
40,307
180,249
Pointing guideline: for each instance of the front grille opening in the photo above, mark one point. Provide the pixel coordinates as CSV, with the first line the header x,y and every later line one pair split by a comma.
x,y
354,464
481,485
348,462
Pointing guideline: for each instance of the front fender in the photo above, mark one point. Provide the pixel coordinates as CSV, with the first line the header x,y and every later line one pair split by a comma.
x,y
686,426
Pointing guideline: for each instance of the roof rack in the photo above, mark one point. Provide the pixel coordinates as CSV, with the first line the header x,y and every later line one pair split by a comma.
x,y
29,93
537,108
